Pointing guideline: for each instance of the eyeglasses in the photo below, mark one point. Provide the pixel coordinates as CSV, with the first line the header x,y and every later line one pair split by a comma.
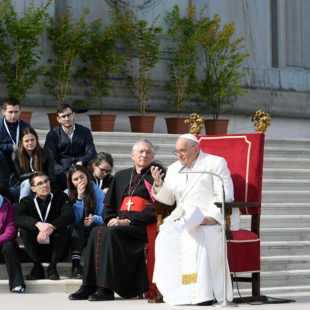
x,y
41,184
103,170
65,116
182,152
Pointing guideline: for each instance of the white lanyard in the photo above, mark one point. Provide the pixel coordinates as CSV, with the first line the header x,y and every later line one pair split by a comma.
x,y
100,183
31,161
17,133
47,211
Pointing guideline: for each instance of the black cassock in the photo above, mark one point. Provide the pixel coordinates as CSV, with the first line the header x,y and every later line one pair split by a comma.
x,y
114,256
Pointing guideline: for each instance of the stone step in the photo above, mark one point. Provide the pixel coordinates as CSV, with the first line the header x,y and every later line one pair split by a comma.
x,y
288,248
275,221
285,196
63,269
285,234
124,137
288,185
280,263
282,278
155,138
287,163
287,143
270,208
297,174
270,291
63,285
280,152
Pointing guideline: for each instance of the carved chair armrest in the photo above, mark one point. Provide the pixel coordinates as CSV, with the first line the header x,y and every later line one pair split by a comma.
x,y
161,211
255,218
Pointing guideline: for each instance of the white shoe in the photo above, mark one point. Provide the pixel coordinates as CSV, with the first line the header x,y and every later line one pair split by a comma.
x,y
18,289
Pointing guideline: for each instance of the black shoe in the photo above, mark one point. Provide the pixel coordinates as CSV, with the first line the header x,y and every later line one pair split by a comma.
x,y
37,273
206,303
102,294
83,293
77,272
52,273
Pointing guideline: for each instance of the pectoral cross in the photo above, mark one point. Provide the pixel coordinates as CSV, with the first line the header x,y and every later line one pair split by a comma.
x,y
129,204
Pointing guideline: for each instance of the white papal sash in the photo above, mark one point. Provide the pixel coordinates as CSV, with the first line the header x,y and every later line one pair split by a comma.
x,y
189,255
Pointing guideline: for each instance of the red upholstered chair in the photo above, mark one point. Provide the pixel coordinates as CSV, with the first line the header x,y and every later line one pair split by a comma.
x,y
244,154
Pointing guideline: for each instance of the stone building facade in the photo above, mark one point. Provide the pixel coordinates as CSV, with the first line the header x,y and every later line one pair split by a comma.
x,y
277,36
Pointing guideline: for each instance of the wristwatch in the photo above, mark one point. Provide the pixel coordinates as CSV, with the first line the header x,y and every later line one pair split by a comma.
x,y
129,221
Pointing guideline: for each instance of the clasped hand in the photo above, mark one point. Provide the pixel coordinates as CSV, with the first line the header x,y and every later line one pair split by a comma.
x,y
118,222
209,221
88,220
45,229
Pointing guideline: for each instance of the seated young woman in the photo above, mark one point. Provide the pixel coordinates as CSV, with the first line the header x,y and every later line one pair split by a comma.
x,y
87,199
28,159
101,168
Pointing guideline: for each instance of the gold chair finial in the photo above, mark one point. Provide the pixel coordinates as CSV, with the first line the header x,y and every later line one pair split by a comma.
x,y
195,122
262,118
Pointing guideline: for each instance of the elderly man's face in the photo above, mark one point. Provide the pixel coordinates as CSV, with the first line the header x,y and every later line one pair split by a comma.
x,y
142,156
187,151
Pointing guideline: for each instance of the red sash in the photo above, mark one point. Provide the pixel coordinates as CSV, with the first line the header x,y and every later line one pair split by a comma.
x,y
138,205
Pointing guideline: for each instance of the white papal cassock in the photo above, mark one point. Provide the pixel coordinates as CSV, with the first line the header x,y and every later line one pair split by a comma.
x,y
188,263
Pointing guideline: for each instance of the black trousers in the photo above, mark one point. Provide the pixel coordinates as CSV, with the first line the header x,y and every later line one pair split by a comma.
x,y
79,237
9,256
55,251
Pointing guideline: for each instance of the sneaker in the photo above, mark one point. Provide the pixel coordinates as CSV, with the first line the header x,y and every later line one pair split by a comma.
x,y
77,272
18,289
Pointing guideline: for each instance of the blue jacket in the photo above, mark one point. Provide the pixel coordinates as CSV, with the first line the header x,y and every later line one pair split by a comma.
x,y
66,152
6,145
78,206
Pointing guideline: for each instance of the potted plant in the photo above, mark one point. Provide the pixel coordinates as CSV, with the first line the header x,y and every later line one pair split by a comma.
x,y
182,64
222,80
69,37
141,45
100,60
20,37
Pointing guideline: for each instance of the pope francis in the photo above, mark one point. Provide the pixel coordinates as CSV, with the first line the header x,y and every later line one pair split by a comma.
x,y
188,265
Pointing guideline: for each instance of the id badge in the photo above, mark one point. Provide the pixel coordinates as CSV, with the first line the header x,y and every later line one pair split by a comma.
x,y
46,241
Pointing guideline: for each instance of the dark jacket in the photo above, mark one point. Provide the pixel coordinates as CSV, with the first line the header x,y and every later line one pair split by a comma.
x,y
61,214
6,145
47,168
105,183
4,171
66,152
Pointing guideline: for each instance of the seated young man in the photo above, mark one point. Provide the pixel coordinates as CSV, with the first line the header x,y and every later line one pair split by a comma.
x,y
69,144
9,250
43,223
10,126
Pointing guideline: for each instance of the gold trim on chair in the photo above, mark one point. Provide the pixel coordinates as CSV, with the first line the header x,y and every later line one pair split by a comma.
x,y
248,159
